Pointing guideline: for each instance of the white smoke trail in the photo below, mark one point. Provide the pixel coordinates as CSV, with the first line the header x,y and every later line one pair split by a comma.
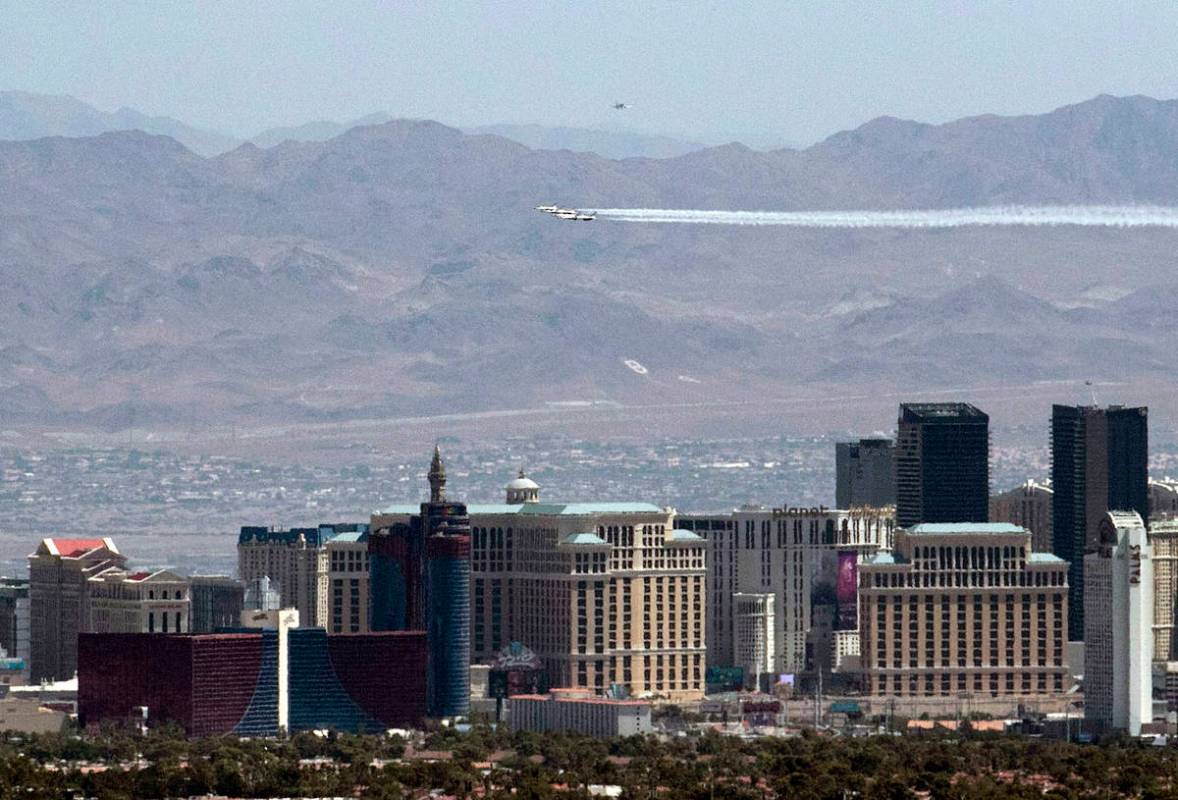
x,y
1084,216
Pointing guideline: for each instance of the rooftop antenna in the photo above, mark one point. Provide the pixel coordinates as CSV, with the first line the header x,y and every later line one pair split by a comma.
x,y
1091,389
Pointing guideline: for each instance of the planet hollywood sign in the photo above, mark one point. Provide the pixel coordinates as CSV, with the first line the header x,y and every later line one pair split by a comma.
x,y
799,511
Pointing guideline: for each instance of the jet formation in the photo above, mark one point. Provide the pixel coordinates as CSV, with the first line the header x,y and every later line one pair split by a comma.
x,y
570,214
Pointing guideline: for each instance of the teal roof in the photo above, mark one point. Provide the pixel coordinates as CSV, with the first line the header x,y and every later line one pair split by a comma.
x,y
350,536
886,557
681,535
1044,558
584,539
580,509
542,509
966,527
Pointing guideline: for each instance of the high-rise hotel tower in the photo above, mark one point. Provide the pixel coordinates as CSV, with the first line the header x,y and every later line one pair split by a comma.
x,y
942,464
1118,638
1099,462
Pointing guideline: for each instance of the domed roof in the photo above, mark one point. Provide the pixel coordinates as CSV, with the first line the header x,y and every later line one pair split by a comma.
x,y
522,482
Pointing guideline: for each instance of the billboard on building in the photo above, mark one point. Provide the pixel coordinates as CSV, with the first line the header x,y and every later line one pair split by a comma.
x,y
847,590
516,670
724,679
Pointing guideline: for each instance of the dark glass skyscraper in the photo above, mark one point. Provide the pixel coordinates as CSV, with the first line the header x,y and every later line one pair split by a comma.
x,y
420,580
1099,463
942,464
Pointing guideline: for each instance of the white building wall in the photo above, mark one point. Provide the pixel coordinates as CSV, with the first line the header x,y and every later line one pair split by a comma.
x,y
589,716
754,631
1118,627
1138,583
846,651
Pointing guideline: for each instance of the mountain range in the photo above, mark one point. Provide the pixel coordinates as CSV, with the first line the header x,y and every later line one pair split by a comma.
x,y
399,269
25,115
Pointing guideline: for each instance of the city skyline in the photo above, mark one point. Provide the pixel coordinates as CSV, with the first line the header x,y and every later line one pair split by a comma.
x,y
472,399
572,579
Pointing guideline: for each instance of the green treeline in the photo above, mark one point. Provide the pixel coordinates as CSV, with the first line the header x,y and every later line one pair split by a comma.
x,y
164,764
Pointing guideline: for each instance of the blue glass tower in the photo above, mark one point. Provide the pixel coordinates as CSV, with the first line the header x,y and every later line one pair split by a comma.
x,y
420,580
447,529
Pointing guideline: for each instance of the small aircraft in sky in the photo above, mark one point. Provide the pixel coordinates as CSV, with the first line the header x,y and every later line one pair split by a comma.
x,y
568,213
621,106
578,216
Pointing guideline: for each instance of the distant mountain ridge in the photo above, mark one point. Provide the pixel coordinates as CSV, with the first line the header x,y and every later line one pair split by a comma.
x,y
400,269
24,115
607,144
315,131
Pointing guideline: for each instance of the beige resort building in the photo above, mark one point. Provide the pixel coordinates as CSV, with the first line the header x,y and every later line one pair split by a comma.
x,y
963,608
603,593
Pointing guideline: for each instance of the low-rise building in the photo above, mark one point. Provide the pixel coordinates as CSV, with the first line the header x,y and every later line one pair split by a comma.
x,y
209,684
241,683
12,673
963,608
577,711
28,715
57,695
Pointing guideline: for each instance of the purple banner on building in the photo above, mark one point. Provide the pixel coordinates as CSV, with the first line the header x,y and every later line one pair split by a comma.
x,y
847,590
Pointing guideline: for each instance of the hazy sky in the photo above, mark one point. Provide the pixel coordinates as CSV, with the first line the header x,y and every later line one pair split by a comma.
x,y
761,72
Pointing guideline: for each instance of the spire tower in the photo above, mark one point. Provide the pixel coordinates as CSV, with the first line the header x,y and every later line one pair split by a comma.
x,y
437,478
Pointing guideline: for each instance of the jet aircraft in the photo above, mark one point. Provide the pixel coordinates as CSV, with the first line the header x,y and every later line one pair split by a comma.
x,y
578,216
